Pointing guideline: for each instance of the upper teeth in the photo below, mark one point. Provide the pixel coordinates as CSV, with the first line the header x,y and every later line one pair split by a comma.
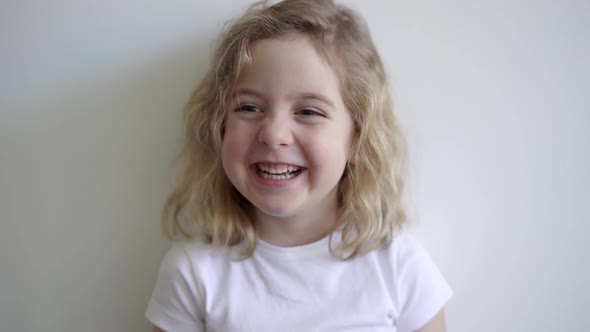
x,y
278,169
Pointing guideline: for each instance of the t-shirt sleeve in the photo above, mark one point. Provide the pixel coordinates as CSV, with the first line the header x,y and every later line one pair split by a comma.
x,y
174,304
421,288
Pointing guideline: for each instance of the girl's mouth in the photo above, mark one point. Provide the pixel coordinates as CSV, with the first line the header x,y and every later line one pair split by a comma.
x,y
277,171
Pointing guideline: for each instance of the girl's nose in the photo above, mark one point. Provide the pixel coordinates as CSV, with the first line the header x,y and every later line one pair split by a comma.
x,y
275,132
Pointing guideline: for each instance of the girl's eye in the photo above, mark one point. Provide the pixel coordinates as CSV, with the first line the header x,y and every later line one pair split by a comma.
x,y
248,108
310,112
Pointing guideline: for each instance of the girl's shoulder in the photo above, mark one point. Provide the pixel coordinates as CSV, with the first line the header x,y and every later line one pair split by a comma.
x,y
189,255
403,246
407,260
187,272
420,289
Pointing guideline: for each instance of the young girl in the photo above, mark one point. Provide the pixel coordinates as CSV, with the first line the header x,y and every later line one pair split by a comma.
x,y
287,216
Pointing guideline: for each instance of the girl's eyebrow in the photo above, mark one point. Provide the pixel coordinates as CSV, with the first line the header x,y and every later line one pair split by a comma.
x,y
248,92
304,95
315,96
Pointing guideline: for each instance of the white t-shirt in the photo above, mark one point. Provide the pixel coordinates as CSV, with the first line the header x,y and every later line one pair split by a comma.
x,y
204,288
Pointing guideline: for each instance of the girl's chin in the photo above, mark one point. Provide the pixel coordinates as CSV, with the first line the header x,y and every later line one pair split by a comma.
x,y
275,213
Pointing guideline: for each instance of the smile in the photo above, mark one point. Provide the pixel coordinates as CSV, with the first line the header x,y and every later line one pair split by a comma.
x,y
277,171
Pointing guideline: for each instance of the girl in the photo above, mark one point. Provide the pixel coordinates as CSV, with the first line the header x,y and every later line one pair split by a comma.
x,y
287,215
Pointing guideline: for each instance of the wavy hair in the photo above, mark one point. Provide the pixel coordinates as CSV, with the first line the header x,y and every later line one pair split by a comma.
x,y
205,204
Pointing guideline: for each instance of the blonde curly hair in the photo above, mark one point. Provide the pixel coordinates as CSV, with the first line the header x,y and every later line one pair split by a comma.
x,y
205,204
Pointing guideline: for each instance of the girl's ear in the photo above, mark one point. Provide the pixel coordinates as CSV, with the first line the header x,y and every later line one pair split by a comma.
x,y
352,152
353,146
349,167
350,160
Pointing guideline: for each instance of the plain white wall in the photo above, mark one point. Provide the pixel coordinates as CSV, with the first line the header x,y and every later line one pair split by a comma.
x,y
493,96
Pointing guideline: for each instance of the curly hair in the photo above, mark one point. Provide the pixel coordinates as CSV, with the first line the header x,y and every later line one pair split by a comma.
x,y
205,204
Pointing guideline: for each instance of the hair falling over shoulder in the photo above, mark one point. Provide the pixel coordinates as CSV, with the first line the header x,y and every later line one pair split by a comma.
x,y
205,205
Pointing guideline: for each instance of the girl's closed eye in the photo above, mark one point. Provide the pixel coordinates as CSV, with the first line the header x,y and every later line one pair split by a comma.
x,y
308,112
248,108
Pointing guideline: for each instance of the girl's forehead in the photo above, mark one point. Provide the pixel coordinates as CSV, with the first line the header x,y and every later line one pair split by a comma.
x,y
288,63
291,41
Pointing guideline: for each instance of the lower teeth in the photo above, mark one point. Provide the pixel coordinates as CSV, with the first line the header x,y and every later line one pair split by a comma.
x,y
285,176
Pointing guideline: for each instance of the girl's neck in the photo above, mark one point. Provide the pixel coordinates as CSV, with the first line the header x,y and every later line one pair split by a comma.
x,y
298,230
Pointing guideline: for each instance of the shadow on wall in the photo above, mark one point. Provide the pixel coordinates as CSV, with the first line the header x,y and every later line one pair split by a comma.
x,y
85,161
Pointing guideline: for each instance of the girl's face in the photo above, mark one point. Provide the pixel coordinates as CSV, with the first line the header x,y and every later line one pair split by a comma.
x,y
287,136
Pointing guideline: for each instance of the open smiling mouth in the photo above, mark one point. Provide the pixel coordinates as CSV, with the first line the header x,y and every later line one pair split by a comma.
x,y
280,172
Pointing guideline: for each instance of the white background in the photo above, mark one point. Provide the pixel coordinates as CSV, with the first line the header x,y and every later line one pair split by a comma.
x,y
493,97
